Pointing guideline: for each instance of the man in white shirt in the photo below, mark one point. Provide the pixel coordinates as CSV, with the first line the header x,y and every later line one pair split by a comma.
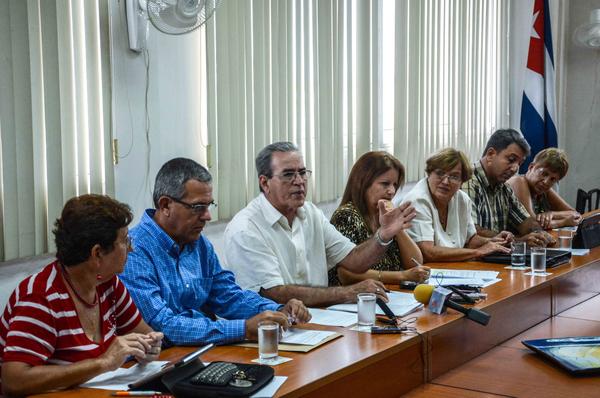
x,y
283,246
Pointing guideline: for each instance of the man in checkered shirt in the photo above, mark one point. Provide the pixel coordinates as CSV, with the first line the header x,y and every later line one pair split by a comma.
x,y
497,212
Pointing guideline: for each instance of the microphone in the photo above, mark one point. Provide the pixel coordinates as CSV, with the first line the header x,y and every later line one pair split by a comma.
x,y
438,299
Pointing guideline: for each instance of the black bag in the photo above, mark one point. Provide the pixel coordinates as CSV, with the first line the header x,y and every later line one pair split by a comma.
x,y
180,385
588,233
175,379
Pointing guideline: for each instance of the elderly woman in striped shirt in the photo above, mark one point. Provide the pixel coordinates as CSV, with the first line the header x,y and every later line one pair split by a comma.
x,y
74,319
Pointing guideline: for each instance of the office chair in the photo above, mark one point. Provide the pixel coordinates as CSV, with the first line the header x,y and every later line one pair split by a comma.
x,y
587,201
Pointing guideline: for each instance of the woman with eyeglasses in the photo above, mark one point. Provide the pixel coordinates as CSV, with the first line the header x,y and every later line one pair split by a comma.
x,y
74,319
534,190
375,176
443,227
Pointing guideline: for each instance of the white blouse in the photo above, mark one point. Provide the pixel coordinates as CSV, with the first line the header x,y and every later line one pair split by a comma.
x,y
426,226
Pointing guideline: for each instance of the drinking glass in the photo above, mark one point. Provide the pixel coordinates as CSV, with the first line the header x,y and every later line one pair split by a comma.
x,y
517,254
565,239
366,309
268,337
538,260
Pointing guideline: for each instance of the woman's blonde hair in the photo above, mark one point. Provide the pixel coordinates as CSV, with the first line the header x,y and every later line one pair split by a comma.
x,y
553,158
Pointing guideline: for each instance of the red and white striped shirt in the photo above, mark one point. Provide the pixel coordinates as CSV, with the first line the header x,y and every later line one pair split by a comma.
x,y
40,324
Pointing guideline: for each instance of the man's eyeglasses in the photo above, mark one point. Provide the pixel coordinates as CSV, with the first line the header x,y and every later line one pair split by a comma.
x,y
289,176
451,178
196,208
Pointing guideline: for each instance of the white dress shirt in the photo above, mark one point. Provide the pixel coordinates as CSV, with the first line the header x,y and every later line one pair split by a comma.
x,y
426,226
264,251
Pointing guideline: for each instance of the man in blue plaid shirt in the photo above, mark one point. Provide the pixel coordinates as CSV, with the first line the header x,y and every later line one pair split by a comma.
x,y
174,275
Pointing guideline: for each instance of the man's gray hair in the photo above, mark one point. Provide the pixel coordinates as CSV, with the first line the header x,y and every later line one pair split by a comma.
x,y
502,138
173,175
264,157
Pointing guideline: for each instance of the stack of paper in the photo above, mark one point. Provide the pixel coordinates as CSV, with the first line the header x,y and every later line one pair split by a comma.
x,y
400,303
331,318
300,340
446,277
304,336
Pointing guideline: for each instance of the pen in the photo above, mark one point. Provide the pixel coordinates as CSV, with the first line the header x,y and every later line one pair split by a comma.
x,y
135,393
418,264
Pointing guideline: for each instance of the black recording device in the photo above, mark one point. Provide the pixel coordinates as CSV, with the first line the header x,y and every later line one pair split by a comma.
x,y
386,310
388,329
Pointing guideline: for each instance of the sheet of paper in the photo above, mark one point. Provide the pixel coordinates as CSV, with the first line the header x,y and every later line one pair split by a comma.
x,y
490,282
400,303
270,389
331,318
463,281
537,273
467,274
120,379
455,281
305,337
580,252
272,361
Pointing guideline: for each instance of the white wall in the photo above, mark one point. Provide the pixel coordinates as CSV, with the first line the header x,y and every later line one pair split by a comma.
x,y
174,107
582,107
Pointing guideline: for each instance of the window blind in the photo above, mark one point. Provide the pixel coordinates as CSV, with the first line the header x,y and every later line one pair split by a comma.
x,y
54,115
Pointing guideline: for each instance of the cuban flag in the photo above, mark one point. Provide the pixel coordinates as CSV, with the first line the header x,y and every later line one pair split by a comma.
x,y
538,108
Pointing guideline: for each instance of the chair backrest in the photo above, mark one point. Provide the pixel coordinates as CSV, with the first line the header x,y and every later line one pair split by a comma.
x,y
587,201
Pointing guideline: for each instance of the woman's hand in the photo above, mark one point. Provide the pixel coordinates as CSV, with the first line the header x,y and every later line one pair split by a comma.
x,y
122,347
545,219
492,247
503,238
154,339
417,274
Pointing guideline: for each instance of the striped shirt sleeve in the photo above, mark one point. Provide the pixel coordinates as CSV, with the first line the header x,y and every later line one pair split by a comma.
x,y
126,313
32,333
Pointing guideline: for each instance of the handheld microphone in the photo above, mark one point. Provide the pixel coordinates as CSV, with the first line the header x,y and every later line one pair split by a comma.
x,y
423,294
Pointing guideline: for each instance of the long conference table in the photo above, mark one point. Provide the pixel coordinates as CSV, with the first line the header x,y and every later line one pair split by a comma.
x,y
360,364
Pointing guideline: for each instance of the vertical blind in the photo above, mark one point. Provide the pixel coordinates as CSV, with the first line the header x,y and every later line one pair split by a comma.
x,y
54,115
311,72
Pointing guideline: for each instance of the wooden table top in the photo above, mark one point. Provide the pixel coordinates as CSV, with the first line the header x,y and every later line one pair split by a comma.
x,y
513,370
513,284
307,371
430,390
354,351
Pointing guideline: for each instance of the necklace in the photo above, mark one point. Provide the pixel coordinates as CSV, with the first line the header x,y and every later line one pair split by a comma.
x,y
68,279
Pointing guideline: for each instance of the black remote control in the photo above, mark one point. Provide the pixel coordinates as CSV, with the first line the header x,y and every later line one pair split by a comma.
x,y
387,330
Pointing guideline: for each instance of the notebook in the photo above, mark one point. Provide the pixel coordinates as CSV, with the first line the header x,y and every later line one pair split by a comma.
x,y
553,258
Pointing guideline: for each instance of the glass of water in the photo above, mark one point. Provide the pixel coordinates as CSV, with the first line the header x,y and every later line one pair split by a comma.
x,y
538,260
366,309
517,254
565,239
268,339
